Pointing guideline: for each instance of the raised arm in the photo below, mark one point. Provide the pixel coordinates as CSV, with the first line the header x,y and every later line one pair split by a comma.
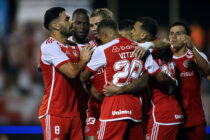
x,y
201,62
72,70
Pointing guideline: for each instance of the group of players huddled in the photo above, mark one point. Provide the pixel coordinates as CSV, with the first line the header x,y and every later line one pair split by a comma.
x,y
108,83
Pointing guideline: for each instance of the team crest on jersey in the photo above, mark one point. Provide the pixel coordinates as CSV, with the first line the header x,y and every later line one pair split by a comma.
x,y
186,63
75,53
115,49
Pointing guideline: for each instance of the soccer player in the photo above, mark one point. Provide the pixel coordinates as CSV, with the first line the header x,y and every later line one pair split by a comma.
x,y
125,27
81,27
191,64
165,113
96,17
60,65
119,114
98,80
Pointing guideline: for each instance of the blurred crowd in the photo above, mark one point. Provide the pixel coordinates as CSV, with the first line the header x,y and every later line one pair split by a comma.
x,y
21,85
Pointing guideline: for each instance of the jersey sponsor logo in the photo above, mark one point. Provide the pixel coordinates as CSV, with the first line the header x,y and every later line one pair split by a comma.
x,y
127,47
56,139
120,112
187,74
177,116
115,49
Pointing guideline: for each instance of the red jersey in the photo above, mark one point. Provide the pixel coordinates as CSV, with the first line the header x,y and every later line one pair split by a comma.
x,y
190,89
121,68
60,97
165,109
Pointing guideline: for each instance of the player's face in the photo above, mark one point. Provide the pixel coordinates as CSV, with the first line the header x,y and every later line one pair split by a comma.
x,y
66,24
175,36
81,25
94,22
137,32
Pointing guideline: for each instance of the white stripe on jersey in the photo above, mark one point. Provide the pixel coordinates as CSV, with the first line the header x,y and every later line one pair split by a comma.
x,y
51,91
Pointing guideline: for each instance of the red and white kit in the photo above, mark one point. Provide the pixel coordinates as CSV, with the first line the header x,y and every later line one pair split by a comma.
x,y
90,107
190,91
121,68
60,100
165,113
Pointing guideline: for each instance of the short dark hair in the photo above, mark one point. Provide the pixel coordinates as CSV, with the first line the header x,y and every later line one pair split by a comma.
x,y
126,24
80,10
107,24
185,25
52,14
149,24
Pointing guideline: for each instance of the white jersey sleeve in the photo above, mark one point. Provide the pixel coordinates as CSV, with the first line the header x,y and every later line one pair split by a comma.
x,y
51,54
98,60
146,45
204,56
151,66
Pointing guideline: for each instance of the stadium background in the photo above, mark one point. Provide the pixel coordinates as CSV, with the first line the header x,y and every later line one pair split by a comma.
x,y
22,32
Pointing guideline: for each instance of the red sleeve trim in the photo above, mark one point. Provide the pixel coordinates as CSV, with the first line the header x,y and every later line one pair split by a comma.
x,y
156,72
90,69
63,62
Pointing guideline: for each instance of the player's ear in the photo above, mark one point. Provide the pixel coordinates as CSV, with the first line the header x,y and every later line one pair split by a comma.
x,y
55,26
143,36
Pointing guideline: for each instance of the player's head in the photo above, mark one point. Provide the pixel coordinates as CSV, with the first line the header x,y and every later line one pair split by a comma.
x,y
125,27
144,29
56,19
81,24
97,16
107,30
176,30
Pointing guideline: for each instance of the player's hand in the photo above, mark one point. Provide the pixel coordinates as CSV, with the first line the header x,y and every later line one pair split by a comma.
x,y
111,89
86,53
187,41
161,43
139,52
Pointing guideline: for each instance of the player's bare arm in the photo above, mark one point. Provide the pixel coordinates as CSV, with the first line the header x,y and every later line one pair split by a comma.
x,y
72,70
89,88
111,89
201,62
94,93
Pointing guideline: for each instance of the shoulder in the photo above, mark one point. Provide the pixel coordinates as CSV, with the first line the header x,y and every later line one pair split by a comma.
x,y
49,43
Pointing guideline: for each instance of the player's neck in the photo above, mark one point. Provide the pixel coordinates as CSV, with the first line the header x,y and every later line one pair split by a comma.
x,y
180,52
110,38
59,37
80,40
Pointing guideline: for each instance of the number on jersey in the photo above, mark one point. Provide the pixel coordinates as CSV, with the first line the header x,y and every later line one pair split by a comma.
x,y
126,71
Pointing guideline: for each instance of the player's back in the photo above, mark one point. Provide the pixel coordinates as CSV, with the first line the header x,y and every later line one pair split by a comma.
x,y
121,68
